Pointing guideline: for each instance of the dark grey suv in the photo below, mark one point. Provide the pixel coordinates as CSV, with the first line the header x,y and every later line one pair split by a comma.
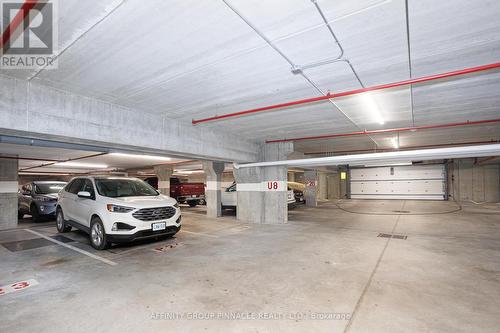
x,y
39,199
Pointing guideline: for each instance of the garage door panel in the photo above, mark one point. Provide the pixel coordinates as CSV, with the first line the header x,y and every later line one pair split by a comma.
x,y
399,173
408,182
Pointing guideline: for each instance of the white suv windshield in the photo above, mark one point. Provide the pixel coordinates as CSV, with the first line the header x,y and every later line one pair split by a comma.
x,y
115,188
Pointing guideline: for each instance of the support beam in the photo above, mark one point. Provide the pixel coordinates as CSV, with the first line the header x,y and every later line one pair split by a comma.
x,y
31,110
311,191
213,172
8,193
262,192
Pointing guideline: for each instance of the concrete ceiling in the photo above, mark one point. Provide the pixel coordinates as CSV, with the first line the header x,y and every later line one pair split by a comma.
x,y
195,59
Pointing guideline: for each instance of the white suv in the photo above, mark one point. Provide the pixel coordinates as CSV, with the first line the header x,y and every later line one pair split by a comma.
x,y
116,209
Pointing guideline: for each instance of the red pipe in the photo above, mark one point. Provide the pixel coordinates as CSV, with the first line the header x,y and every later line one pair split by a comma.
x,y
402,149
388,130
352,92
16,21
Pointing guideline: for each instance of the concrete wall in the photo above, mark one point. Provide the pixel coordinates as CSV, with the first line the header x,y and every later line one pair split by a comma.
x,y
35,111
333,181
227,178
469,181
8,193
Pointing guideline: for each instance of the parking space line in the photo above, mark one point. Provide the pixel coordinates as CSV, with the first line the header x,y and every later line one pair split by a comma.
x,y
91,255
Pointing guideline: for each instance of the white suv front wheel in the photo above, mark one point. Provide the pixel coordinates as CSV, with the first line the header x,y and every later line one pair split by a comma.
x,y
60,223
98,238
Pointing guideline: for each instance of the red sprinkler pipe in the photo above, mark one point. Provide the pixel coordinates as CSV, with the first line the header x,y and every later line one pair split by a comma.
x,y
16,21
352,92
389,130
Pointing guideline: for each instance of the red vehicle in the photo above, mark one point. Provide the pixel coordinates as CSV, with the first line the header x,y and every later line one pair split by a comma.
x,y
191,193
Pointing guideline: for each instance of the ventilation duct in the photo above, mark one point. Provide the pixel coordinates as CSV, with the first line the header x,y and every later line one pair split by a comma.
x,y
386,158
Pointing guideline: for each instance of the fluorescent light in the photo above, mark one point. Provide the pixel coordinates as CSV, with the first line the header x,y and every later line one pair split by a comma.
x,y
372,107
145,157
395,143
81,165
189,172
41,173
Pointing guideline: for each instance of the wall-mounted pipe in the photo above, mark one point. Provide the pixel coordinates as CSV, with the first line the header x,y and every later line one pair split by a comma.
x,y
389,130
294,68
390,157
352,92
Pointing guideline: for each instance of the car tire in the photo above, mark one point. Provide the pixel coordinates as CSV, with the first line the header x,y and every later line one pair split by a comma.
x,y
35,214
192,203
97,235
202,202
61,224
20,214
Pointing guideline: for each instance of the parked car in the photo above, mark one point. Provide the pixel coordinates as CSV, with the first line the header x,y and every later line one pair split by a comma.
x,y
191,193
116,209
39,199
298,191
229,197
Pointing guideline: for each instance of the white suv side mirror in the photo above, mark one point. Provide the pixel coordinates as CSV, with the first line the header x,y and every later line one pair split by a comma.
x,y
84,194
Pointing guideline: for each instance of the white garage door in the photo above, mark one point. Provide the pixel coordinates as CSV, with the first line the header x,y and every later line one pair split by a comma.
x,y
426,182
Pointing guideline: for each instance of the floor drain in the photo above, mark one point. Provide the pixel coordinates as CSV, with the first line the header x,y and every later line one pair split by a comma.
x,y
393,236
401,211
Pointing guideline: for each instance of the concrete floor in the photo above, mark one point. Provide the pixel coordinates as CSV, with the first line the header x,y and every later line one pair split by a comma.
x,y
444,277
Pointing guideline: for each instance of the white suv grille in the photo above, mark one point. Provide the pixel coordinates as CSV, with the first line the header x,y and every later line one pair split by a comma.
x,y
154,214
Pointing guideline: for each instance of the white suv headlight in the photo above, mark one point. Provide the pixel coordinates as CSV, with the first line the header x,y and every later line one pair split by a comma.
x,y
119,209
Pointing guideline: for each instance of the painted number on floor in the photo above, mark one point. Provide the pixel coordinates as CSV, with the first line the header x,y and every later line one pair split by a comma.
x,y
17,286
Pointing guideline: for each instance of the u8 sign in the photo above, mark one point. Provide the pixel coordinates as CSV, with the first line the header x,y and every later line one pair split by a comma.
x,y
272,185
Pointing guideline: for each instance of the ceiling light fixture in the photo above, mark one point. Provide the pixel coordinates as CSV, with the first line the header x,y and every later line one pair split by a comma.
x,y
395,143
146,157
81,165
372,107
189,172
41,173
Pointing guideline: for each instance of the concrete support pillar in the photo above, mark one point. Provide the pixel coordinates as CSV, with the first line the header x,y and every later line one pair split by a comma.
x,y
8,193
262,191
213,172
164,172
311,191
322,186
